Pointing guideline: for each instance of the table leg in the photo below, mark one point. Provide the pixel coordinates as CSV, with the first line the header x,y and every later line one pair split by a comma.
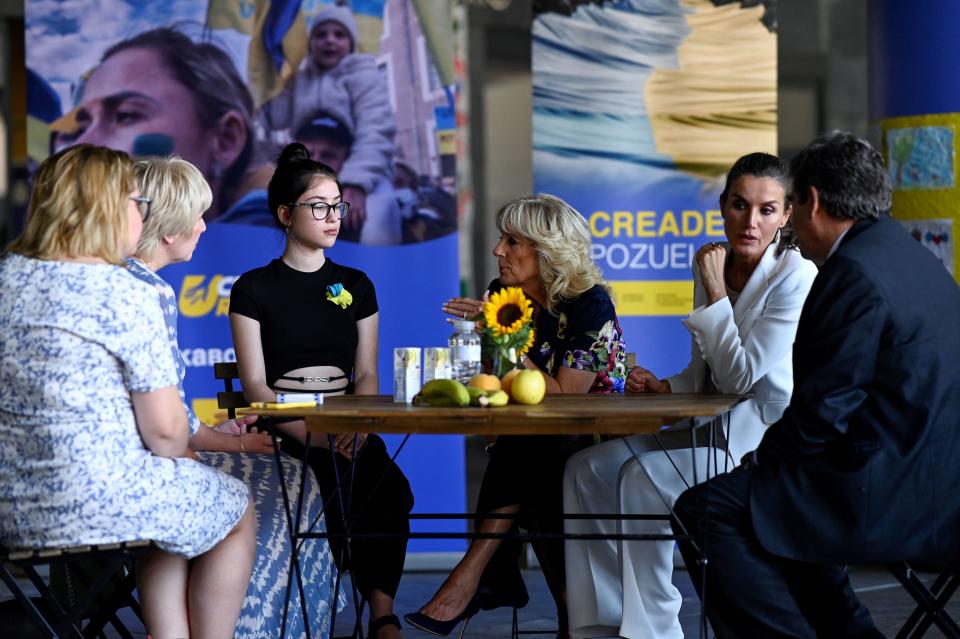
x,y
715,423
726,445
287,512
346,521
295,536
693,451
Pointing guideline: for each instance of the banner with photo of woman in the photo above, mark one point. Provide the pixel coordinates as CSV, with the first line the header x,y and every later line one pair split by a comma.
x,y
225,84
640,107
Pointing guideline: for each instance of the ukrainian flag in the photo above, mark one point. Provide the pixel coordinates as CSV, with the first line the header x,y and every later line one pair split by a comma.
x,y
436,22
231,14
43,107
277,44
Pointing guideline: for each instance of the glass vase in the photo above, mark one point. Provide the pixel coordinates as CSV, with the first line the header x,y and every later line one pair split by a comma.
x,y
504,361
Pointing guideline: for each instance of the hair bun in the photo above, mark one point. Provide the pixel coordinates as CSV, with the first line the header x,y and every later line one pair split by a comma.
x,y
293,153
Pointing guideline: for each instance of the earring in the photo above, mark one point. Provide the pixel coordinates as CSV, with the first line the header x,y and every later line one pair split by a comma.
x,y
217,170
776,238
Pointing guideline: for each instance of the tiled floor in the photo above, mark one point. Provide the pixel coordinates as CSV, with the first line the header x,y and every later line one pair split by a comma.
x,y
888,604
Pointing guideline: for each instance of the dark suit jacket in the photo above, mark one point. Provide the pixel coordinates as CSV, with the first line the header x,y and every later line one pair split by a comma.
x,y
864,465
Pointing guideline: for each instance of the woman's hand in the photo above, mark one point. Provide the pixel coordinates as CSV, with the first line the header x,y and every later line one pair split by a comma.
x,y
465,307
640,380
236,426
343,443
712,258
255,442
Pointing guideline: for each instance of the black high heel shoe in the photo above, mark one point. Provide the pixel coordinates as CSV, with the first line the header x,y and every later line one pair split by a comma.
x,y
443,628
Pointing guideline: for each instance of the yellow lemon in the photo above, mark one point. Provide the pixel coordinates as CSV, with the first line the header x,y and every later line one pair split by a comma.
x,y
508,378
528,387
485,382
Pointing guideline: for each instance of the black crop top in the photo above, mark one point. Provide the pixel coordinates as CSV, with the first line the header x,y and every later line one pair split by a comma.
x,y
299,326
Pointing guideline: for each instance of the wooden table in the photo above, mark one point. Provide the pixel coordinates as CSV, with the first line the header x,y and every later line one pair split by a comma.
x,y
584,414
556,415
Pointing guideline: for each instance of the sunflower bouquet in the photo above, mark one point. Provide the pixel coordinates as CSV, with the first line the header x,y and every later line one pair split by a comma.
x,y
506,331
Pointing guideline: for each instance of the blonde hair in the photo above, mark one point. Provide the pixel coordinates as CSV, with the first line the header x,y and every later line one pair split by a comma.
x,y
180,195
79,206
561,238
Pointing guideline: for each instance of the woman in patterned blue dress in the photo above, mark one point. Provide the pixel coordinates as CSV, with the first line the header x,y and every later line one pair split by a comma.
x,y
180,196
93,435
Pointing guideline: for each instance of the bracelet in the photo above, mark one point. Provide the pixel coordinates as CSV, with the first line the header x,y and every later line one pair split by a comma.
x,y
240,439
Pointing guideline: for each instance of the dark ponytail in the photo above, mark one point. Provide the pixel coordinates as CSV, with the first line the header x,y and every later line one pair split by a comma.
x,y
292,177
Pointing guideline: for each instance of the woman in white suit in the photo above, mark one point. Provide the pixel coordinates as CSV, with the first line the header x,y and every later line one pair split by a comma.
x,y
748,293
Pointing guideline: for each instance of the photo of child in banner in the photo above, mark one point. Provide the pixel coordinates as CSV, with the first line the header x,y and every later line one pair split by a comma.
x,y
309,71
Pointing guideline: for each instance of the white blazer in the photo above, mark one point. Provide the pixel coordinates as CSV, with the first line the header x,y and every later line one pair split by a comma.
x,y
747,347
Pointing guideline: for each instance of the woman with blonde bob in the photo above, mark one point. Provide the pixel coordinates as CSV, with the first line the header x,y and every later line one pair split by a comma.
x,y
92,430
543,249
180,196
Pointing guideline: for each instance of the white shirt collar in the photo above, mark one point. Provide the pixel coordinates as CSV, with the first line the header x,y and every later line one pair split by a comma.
x,y
836,242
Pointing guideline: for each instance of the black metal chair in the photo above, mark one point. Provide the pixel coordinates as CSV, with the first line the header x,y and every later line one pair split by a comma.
x,y
230,399
98,594
932,601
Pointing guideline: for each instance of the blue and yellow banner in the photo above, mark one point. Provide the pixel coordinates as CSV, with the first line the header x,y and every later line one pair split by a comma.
x,y
639,110
239,54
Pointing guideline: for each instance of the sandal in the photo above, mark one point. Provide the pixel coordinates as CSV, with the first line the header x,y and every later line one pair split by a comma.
x,y
380,622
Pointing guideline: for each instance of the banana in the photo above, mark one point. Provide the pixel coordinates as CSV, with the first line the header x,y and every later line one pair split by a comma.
x,y
475,395
497,398
444,392
493,399
439,401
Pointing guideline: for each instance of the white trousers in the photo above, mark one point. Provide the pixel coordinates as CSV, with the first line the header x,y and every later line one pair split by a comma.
x,y
625,588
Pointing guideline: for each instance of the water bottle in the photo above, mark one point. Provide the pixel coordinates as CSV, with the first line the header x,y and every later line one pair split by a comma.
x,y
465,351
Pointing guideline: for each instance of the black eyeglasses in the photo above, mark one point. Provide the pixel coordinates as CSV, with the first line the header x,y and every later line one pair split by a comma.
x,y
143,205
321,210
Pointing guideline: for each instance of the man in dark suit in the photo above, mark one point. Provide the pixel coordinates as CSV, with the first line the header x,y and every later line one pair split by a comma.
x,y
864,465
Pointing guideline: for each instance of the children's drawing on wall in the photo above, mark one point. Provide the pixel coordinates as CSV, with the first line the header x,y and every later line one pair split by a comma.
x,y
936,235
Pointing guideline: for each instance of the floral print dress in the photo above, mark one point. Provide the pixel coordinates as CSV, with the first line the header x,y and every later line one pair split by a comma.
x,y
75,341
583,334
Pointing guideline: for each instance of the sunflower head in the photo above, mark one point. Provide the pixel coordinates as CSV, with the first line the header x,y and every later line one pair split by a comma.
x,y
507,311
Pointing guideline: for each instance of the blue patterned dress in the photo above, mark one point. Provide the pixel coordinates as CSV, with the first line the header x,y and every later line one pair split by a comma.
x,y
75,341
263,605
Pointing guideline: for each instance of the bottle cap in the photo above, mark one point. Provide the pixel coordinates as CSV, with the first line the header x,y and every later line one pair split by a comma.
x,y
464,325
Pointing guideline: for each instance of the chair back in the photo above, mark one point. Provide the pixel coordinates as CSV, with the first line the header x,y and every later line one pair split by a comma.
x,y
229,398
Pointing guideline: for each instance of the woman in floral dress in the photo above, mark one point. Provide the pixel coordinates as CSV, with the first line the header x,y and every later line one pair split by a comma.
x,y
93,435
578,346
